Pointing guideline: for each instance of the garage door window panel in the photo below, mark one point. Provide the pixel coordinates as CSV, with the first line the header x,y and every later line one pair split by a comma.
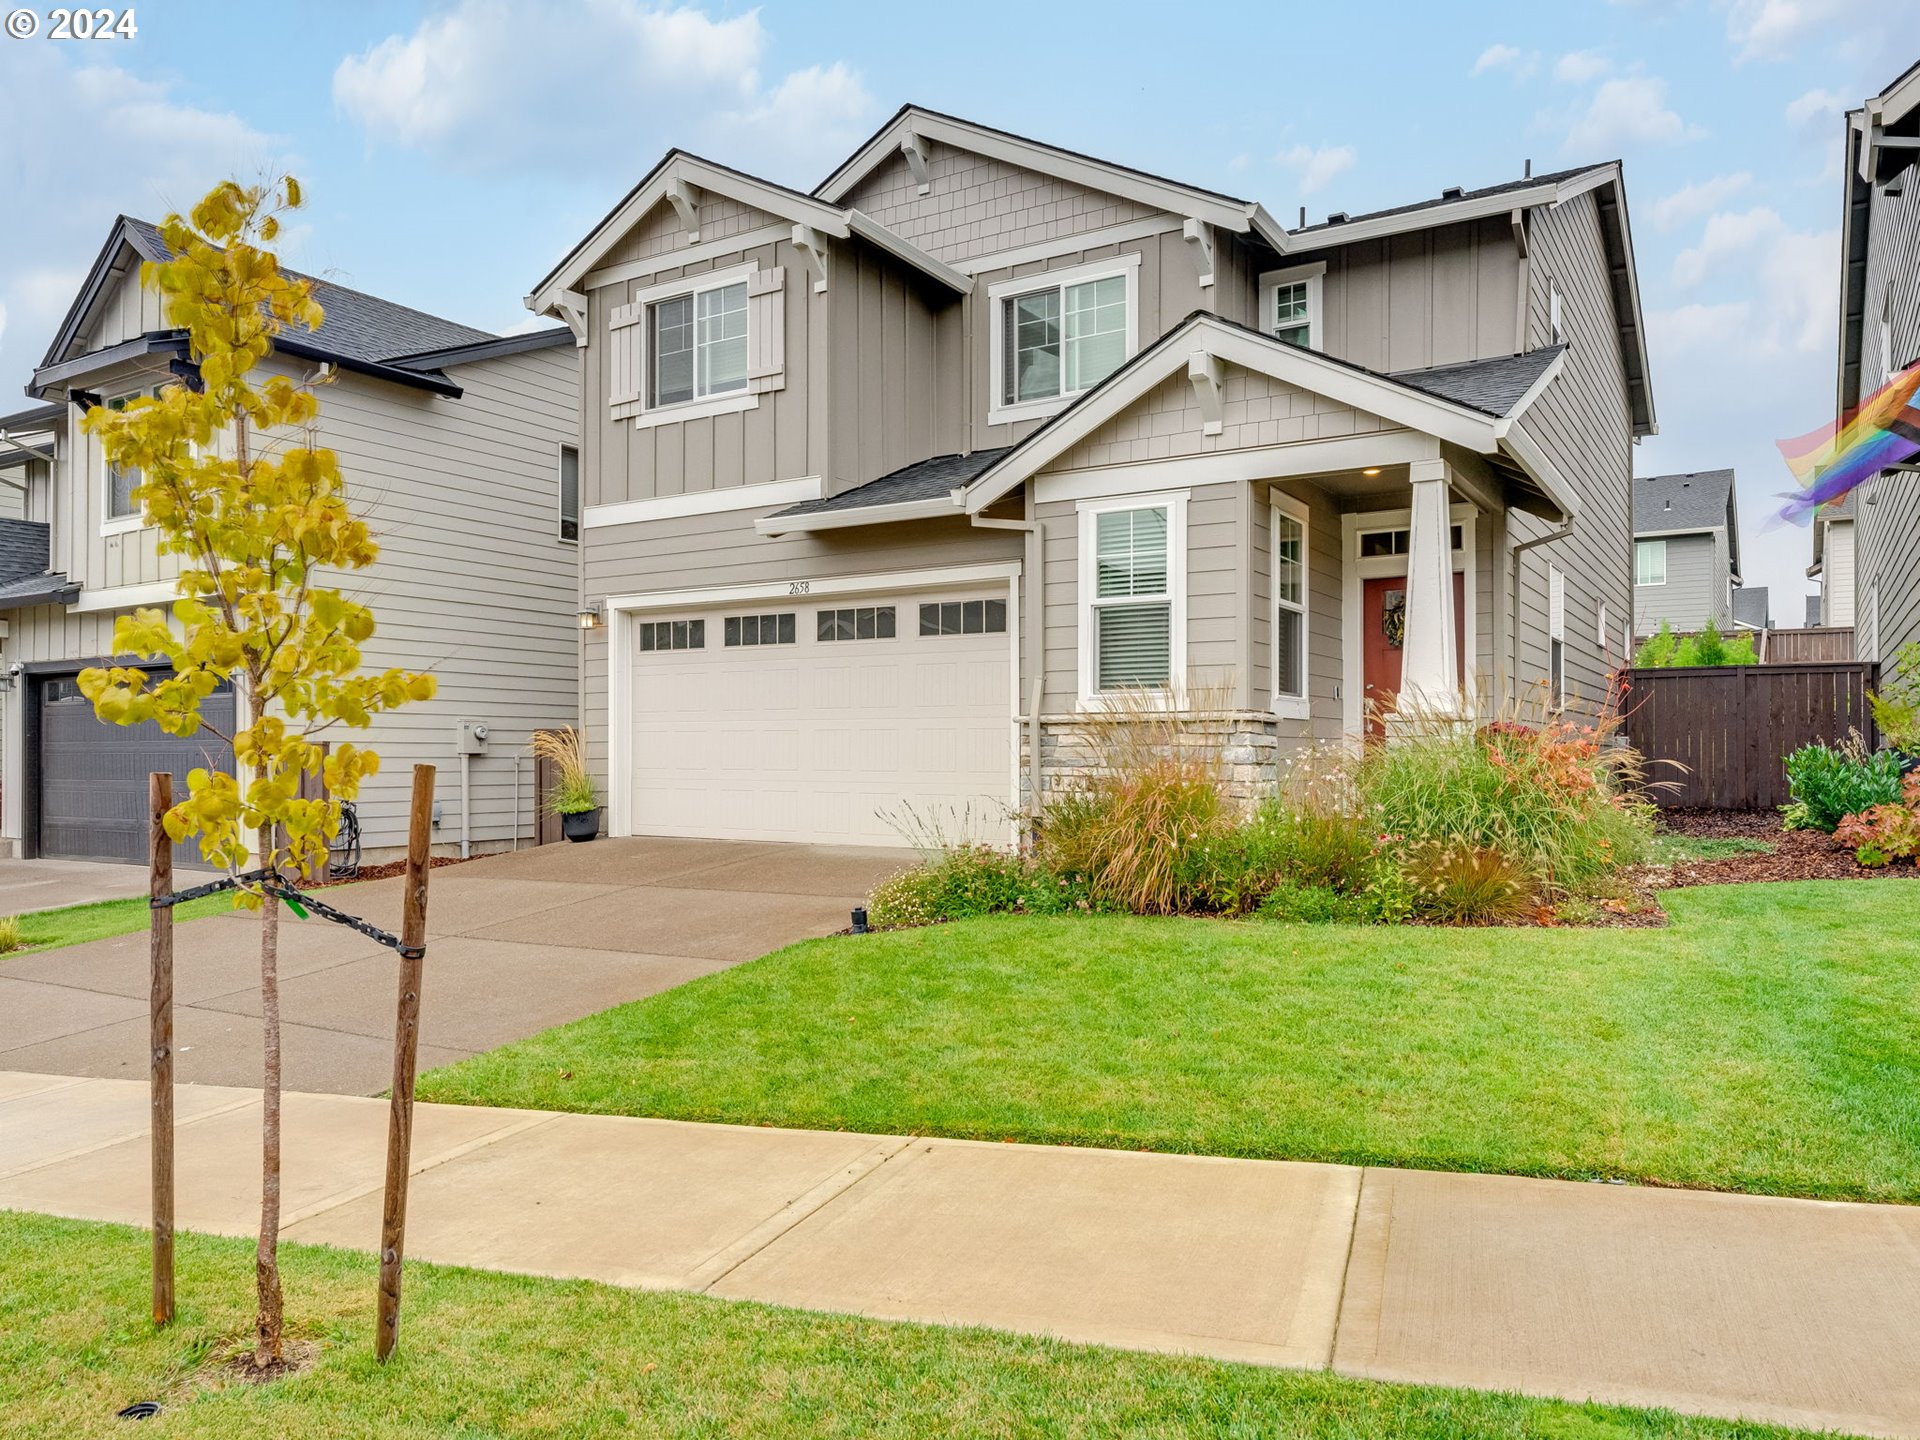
x,y
964,617
864,622
673,634
754,630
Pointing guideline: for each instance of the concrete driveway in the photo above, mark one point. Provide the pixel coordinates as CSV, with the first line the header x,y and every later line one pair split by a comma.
x,y
516,943
46,884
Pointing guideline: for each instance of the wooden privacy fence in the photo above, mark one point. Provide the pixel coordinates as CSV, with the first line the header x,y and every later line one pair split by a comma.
x,y
1716,736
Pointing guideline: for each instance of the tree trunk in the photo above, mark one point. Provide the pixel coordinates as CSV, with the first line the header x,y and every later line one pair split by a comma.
x,y
266,1264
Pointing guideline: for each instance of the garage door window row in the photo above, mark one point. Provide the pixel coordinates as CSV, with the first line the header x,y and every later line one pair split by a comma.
x,y
964,617
673,635
867,622
760,629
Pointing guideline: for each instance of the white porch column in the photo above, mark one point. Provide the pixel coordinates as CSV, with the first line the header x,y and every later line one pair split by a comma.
x,y
1429,654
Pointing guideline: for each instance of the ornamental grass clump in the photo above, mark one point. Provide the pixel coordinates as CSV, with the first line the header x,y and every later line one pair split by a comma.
x,y
574,792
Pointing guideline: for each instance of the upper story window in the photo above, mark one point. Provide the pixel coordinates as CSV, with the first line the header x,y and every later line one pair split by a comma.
x,y
1058,334
569,493
1290,305
698,344
1650,562
119,510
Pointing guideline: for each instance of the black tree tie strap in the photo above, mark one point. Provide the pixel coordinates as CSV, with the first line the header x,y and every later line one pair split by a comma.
x,y
271,882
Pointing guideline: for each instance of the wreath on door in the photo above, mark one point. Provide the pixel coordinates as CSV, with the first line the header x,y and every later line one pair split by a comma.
x,y
1393,618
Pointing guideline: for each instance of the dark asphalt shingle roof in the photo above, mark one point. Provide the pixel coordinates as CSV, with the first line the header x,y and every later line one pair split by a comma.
x,y
1492,387
358,326
42,589
923,480
38,418
1698,500
1750,606
1552,177
23,550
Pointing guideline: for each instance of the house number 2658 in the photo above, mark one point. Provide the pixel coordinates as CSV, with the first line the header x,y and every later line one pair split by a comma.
x,y
799,587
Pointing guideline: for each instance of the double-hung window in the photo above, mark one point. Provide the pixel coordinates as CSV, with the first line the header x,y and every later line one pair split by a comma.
x,y
1290,304
1650,562
1289,609
697,345
1059,335
1132,581
121,511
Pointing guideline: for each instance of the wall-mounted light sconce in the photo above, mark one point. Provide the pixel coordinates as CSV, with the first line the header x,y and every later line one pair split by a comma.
x,y
590,615
1374,471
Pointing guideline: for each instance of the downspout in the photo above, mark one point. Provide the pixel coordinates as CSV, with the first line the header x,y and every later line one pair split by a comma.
x,y
1034,592
1514,609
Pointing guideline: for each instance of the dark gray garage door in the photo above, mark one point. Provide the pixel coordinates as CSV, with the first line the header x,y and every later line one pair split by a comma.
x,y
92,782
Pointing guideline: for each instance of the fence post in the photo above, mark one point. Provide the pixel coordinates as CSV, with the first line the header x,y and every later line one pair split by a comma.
x,y
406,1042
160,1037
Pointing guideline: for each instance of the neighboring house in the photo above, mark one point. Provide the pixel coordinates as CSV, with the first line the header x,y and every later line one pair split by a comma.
x,y
890,487
457,446
1879,592
1750,608
1686,550
1833,561
1814,618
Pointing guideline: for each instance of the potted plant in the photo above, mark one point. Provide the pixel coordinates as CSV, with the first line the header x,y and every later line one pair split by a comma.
x,y
574,797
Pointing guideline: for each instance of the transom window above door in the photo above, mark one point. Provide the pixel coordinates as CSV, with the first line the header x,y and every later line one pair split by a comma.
x,y
1058,335
1374,543
697,345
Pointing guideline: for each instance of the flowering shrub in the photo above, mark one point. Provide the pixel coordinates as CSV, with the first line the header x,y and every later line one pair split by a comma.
x,y
960,883
1884,833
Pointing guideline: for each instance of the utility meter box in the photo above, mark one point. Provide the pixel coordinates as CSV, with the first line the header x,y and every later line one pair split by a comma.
x,y
470,737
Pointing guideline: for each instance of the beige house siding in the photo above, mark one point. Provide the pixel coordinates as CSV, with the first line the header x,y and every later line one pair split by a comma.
x,y
1428,298
977,205
660,232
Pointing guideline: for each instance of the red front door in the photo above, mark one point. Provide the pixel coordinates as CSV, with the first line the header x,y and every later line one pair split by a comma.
x,y
1383,614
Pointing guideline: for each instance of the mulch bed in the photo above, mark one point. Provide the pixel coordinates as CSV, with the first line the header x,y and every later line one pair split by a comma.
x,y
388,870
1796,854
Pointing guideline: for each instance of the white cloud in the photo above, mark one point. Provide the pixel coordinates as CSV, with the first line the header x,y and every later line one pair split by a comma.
x,y
1521,64
598,85
69,164
1770,29
1316,166
1806,111
1625,111
1581,67
1788,272
1703,197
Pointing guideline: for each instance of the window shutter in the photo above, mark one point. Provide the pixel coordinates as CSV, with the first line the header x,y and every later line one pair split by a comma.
x,y
767,330
626,390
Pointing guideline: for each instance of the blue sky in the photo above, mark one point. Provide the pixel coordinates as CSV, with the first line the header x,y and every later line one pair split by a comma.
x,y
453,151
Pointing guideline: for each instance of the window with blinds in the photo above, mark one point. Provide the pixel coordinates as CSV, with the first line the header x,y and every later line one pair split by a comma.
x,y
1132,601
1290,607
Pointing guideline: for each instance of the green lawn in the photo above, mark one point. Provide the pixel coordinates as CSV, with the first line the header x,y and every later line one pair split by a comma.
x,y
72,924
1768,1040
497,1355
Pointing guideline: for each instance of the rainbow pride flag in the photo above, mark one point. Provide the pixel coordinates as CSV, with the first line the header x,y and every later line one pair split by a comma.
x,y
1882,430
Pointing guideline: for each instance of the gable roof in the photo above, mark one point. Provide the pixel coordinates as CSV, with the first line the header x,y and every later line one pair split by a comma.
x,y
1696,500
1203,334
1174,196
1751,608
359,331
683,167
1493,387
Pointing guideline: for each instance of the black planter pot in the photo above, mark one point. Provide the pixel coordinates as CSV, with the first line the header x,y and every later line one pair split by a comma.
x,y
583,825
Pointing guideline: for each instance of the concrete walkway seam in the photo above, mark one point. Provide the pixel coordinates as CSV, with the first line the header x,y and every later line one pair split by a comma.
x,y
479,1142
124,1136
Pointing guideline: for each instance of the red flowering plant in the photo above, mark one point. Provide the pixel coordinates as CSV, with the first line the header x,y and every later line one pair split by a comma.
x,y
1882,834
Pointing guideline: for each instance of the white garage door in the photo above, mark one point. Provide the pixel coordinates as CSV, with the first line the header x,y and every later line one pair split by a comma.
x,y
828,721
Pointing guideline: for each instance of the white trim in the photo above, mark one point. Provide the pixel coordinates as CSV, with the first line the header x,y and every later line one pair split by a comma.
x,y
936,508
732,403
111,524
1068,245
1271,462
126,597
728,402
692,255
702,502
1638,541
878,235
123,524
1427,217
999,412
1353,569
1174,502
1526,452
1283,506
1313,277
621,611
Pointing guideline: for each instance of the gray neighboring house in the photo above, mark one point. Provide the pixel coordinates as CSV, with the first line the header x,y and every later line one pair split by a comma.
x,y
891,487
1686,550
1878,589
1814,619
1751,608
460,447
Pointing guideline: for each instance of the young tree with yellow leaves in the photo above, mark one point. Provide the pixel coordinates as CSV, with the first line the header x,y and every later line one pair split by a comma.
x,y
233,481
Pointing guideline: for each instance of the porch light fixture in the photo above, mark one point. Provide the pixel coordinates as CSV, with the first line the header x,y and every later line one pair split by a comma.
x,y
590,616
1374,471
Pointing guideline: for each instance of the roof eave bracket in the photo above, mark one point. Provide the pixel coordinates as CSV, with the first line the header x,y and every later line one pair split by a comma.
x,y
686,204
914,151
809,243
1199,237
1209,387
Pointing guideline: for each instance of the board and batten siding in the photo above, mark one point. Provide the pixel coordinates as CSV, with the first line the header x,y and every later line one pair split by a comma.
x,y
697,552
1695,591
1888,508
1582,423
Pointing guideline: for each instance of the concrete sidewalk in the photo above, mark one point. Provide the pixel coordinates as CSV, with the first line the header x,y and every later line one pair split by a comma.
x,y
1792,1311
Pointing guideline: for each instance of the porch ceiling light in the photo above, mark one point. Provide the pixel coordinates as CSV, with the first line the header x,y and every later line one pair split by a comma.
x,y
590,615
1374,471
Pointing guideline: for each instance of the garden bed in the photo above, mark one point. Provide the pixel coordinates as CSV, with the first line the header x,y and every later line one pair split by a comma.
x,y
1791,854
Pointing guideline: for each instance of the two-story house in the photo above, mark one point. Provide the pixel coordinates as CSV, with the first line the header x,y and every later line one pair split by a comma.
x,y
1879,338
889,486
458,446
1686,551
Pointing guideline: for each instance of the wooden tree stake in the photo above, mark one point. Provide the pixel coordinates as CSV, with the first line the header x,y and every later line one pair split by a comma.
x,y
160,928
406,1044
